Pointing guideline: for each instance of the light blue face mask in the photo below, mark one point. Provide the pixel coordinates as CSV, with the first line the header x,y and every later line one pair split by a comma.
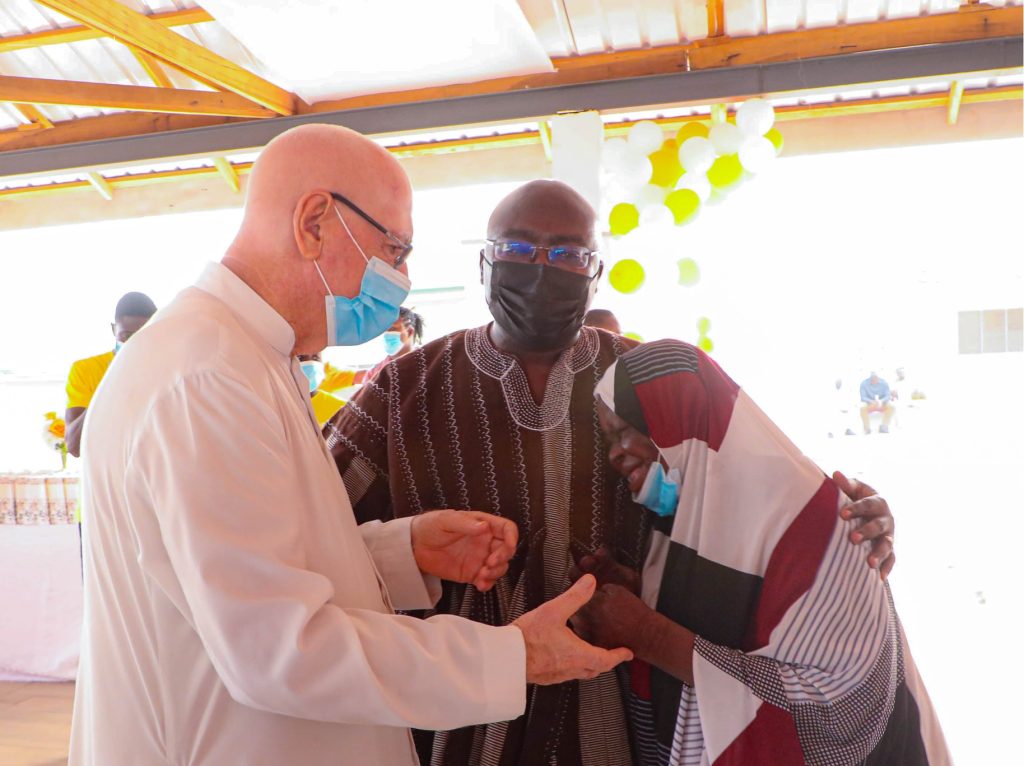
x,y
351,321
314,372
392,342
660,492
117,346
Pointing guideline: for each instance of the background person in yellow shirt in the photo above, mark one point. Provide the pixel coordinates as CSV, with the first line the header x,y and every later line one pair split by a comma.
x,y
131,312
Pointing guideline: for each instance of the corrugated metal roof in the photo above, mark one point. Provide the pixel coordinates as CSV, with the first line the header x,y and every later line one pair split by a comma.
x,y
564,28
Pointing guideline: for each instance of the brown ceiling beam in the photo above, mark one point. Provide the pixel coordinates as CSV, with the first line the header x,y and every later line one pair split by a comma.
x,y
138,30
31,90
78,33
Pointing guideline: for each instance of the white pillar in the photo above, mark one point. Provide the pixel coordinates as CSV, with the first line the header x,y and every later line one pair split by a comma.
x,y
576,152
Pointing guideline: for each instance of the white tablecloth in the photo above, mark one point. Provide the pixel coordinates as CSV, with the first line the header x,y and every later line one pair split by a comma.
x,y
40,602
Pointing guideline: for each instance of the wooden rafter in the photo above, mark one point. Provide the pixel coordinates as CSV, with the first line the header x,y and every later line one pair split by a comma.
x,y
77,33
152,68
716,17
101,185
31,90
37,120
956,97
139,31
228,173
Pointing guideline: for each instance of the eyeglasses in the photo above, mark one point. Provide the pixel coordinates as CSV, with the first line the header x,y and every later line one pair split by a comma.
x,y
404,247
573,257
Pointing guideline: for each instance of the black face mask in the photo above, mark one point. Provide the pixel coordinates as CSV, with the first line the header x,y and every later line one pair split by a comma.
x,y
541,308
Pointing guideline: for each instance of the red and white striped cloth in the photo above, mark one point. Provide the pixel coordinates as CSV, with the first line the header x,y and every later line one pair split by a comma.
x,y
799,657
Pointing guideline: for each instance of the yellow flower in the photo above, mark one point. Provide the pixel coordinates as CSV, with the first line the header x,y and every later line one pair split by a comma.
x,y
57,428
50,416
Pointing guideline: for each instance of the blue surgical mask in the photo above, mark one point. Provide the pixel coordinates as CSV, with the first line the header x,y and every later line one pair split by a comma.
x,y
117,346
351,321
314,372
660,491
392,342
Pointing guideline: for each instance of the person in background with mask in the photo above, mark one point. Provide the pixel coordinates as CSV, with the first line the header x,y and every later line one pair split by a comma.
x,y
400,339
234,611
325,405
502,418
133,310
759,635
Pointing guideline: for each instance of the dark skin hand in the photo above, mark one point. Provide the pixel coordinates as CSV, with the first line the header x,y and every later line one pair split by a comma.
x,y
74,419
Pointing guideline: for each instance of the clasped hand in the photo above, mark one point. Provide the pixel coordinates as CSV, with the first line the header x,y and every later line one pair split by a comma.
x,y
464,546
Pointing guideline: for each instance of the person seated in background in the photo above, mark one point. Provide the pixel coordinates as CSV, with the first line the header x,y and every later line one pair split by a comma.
x,y
404,335
325,405
759,634
131,312
602,319
875,397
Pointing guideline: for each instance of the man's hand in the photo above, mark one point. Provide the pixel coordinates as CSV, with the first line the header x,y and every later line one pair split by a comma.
x,y
607,570
877,523
553,652
464,546
615,616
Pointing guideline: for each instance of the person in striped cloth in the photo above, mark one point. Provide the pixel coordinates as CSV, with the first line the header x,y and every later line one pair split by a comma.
x,y
760,635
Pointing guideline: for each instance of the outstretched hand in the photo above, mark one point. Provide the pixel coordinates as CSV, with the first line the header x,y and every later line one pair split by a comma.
x,y
464,546
553,652
876,522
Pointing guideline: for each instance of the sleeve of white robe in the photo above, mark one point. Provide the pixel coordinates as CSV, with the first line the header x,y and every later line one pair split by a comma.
x,y
390,544
215,465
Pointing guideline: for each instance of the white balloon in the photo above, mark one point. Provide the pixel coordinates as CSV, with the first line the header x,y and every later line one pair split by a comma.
x,y
645,137
755,117
697,183
634,171
756,154
613,152
696,154
650,195
656,215
726,138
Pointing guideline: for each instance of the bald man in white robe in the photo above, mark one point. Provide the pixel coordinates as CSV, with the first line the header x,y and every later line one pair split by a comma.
x,y
234,611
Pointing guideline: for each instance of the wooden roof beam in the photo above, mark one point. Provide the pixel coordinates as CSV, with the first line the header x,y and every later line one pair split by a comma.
x,y
139,31
30,90
77,33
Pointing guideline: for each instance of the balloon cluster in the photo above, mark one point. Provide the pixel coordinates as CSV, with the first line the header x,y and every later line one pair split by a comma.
x,y
665,182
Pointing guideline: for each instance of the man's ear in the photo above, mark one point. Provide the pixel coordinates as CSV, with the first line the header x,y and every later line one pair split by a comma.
x,y
307,222
113,329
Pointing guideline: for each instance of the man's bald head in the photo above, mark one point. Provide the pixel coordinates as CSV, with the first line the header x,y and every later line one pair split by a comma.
x,y
545,212
291,226
325,157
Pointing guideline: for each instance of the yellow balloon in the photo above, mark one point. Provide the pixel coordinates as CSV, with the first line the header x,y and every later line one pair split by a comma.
x,y
626,276
623,219
705,344
775,137
689,272
684,204
691,129
633,336
725,172
666,169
